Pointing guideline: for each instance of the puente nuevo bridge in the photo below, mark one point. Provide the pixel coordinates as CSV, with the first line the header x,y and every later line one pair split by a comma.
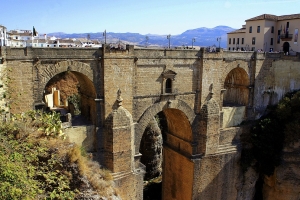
x,y
204,97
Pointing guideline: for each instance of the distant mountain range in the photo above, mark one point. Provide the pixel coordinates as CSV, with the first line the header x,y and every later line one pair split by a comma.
x,y
203,37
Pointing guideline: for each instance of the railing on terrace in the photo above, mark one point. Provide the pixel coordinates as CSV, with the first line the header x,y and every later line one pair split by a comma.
x,y
286,36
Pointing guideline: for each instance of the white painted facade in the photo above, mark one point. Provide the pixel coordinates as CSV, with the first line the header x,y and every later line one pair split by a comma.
x,y
3,36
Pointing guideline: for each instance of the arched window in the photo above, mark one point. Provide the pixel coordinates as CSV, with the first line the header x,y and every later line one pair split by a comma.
x,y
168,76
168,85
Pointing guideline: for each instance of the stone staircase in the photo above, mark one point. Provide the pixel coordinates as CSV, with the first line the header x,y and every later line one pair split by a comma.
x,y
228,148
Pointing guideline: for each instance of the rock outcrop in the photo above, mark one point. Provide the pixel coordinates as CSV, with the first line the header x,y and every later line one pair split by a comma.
x,y
151,149
284,184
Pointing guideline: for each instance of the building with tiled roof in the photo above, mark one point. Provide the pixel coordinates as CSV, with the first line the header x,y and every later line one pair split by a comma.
x,y
19,38
267,32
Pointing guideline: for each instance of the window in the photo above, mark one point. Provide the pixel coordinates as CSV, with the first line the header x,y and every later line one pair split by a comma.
x,y
272,29
229,40
168,85
250,29
271,42
253,49
232,48
242,40
258,29
229,48
233,41
238,41
278,36
253,40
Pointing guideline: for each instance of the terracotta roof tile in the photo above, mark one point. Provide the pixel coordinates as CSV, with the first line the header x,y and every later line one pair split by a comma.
x,y
286,17
241,30
274,17
263,16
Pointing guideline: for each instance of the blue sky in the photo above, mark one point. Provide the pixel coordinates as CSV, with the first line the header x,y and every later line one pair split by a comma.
x,y
136,16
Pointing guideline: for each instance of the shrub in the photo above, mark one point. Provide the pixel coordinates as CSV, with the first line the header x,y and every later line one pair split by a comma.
x,y
36,163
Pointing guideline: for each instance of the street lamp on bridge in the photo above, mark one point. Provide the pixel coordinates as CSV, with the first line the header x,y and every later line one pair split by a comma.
x,y
219,40
193,40
169,38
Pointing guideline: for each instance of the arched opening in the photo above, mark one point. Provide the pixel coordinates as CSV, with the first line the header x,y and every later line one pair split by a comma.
x,y
168,85
165,149
286,47
236,85
72,92
235,97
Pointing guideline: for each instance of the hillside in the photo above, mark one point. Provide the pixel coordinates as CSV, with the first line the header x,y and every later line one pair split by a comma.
x,y
203,37
37,163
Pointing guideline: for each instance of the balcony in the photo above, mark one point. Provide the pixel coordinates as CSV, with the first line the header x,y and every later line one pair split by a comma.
x,y
286,37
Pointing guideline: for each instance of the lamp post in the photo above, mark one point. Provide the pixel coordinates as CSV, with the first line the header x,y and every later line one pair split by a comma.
x,y
219,40
169,38
193,40
147,38
104,35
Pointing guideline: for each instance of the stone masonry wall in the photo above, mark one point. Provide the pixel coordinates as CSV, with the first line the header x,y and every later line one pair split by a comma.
x,y
20,86
198,76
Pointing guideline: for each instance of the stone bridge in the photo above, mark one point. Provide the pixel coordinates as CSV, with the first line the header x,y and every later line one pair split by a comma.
x,y
204,97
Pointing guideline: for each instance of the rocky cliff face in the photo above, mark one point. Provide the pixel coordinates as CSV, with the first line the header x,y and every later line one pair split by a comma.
x,y
284,184
151,148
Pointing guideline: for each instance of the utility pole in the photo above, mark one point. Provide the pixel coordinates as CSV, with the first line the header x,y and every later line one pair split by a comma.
x,y
169,38
193,40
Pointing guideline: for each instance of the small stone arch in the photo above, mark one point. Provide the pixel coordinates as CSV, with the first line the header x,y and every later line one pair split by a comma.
x,y
156,108
46,73
84,75
233,66
236,85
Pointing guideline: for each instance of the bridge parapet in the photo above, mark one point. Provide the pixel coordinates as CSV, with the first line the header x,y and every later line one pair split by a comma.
x,y
29,53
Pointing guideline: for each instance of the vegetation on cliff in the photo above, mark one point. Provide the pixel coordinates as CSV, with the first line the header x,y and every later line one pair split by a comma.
x,y
280,127
36,163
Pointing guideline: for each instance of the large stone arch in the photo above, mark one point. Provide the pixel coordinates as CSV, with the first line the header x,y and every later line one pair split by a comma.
x,y
178,146
156,108
178,167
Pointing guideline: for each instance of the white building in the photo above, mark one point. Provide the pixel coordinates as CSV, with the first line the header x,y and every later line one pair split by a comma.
x,y
3,36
